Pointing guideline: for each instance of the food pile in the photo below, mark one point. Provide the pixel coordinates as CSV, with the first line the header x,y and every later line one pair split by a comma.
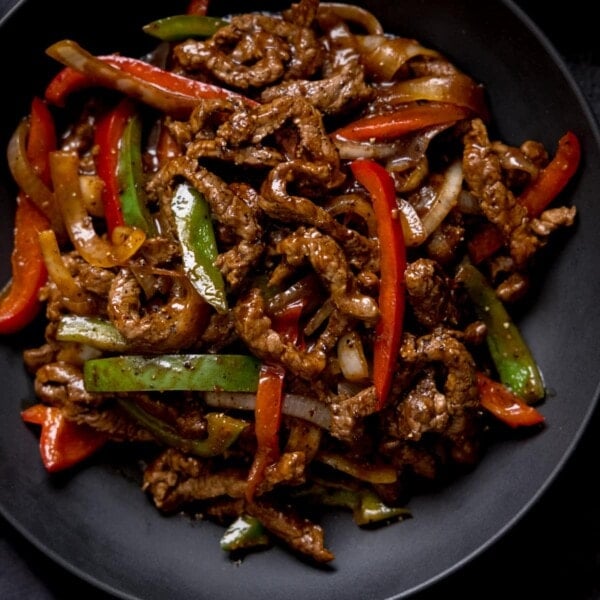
x,y
279,252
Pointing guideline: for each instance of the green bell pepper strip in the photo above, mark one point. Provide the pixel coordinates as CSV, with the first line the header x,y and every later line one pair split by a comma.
x,y
130,177
223,431
180,27
365,505
92,331
510,353
170,372
245,532
193,222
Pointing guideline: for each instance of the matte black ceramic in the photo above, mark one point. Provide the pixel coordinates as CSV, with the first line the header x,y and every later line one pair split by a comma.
x,y
97,522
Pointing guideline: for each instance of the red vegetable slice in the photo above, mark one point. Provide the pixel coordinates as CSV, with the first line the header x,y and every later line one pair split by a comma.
x,y
380,186
505,405
63,443
388,126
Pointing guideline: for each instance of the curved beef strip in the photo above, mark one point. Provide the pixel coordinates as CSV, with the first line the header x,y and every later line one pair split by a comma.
x,y
255,50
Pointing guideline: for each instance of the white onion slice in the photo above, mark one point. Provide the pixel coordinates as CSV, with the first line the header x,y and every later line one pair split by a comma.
x,y
294,405
351,357
446,199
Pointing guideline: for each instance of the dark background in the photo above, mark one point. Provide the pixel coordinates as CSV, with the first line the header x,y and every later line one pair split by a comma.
x,y
553,552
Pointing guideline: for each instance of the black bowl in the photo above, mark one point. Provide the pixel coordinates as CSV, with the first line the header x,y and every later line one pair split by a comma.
x,y
97,523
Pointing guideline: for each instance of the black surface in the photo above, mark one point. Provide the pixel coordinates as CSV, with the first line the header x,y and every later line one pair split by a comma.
x,y
554,550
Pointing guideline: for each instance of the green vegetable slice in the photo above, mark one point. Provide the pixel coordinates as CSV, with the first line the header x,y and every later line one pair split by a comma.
x,y
133,198
171,372
223,430
180,27
510,353
198,245
92,331
245,532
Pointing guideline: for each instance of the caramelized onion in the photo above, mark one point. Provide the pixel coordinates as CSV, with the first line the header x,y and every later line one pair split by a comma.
x,y
382,56
412,226
354,14
456,88
97,251
29,181
74,296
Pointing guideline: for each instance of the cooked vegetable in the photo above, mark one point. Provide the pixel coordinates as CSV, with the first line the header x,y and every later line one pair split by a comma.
x,y
130,175
181,27
366,506
164,90
393,261
98,251
269,400
63,443
222,431
198,245
505,405
108,134
509,350
19,302
200,372
405,120
245,532
92,331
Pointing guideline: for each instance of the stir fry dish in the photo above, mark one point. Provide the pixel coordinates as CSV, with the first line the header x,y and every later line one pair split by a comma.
x,y
280,253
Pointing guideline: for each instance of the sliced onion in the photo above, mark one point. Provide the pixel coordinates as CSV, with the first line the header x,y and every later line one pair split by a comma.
x,y
351,357
91,192
349,150
446,199
456,88
96,250
320,316
29,181
75,297
365,472
353,204
383,56
294,405
354,14
412,226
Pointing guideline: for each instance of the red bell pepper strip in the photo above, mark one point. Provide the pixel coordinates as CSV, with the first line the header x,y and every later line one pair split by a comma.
x,y
505,405
167,91
108,134
553,178
42,138
388,126
19,302
287,322
388,332
197,7
63,443
536,197
269,398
